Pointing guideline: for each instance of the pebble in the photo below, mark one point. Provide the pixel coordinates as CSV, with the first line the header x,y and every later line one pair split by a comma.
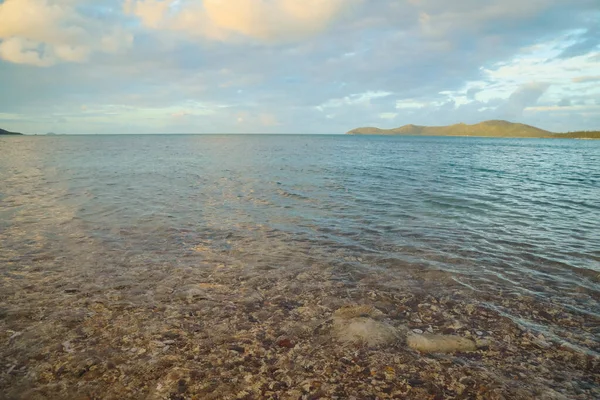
x,y
440,343
542,343
287,343
238,349
418,331
67,347
303,276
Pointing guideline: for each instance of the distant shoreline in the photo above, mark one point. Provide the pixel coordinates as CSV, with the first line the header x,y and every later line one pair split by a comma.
x,y
5,132
557,136
493,129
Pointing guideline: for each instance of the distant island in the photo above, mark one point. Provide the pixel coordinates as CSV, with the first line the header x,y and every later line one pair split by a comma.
x,y
493,128
5,132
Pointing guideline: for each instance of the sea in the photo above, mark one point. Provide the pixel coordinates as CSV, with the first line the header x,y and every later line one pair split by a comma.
x,y
507,222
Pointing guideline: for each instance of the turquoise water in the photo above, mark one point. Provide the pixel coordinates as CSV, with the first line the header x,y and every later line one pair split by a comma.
x,y
502,218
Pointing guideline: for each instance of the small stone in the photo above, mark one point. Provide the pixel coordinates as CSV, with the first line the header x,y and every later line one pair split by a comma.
x,y
303,277
456,325
545,315
67,347
418,331
542,344
238,349
287,343
171,335
479,333
349,312
440,343
182,386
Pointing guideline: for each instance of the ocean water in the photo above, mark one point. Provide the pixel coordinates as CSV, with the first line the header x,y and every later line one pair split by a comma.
x,y
500,214
508,222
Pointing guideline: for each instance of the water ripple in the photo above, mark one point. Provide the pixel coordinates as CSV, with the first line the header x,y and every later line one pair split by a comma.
x,y
518,217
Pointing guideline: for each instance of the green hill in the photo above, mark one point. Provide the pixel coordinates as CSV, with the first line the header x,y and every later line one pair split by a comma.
x,y
581,135
5,132
493,128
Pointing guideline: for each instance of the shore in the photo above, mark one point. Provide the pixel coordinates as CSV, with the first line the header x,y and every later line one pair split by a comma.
x,y
220,331
232,309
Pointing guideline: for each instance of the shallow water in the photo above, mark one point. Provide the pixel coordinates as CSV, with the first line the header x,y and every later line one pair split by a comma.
x,y
510,222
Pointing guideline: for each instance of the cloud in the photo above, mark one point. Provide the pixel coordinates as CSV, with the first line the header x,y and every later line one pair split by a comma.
x,y
564,103
180,114
525,96
23,51
46,32
585,79
269,120
472,92
152,13
295,66
266,20
561,108
584,44
458,18
363,99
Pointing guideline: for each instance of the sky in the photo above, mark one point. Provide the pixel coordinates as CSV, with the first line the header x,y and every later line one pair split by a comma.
x,y
296,66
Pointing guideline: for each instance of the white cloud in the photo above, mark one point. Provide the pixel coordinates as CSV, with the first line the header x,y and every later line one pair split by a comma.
x,y
23,51
585,79
46,32
268,20
448,18
152,13
595,108
408,104
525,96
354,99
388,115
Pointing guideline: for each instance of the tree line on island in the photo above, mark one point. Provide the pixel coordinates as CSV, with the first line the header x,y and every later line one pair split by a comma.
x,y
493,128
5,132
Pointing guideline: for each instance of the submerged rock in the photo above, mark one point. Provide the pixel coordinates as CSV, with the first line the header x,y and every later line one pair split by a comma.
x,y
192,293
360,325
349,312
365,331
428,343
285,342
